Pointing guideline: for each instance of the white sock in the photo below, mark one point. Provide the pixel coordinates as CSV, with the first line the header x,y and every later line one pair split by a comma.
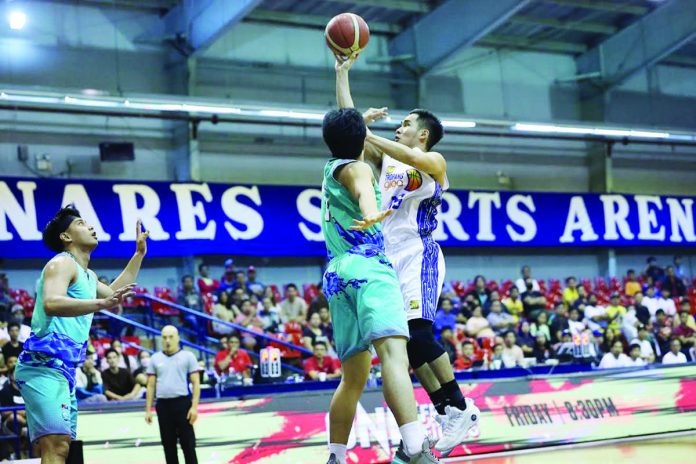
x,y
413,436
340,452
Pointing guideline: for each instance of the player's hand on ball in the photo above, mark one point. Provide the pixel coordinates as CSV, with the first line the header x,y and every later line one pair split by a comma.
x,y
375,114
140,238
369,221
118,296
344,63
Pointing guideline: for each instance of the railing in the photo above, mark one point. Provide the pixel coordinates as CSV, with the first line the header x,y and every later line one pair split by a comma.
x,y
202,337
17,437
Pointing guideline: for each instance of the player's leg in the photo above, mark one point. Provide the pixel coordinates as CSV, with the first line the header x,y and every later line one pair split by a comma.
x,y
353,352
46,394
356,369
54,448
383,322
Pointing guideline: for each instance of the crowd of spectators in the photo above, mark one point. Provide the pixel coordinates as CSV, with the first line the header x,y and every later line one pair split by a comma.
x,y
647,317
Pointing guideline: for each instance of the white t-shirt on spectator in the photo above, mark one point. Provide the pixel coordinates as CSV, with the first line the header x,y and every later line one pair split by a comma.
x,y
576,327
671,358
609,361
24,333
646,348
637,362
594,311
522,286
652,304
668,306
512,356
629,324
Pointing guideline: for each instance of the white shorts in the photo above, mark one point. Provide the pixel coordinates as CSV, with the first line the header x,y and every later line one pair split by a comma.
x,y
420,267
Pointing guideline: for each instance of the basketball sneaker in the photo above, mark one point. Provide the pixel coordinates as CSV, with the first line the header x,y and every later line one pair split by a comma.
x,y
332,459
457,424
424,457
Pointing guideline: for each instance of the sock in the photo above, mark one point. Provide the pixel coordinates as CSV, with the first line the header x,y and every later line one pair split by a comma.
x,y
439,400
413,436
454,395
340,451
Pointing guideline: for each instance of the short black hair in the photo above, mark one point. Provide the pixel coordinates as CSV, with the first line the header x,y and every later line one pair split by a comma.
x,y
427,120
289,286
12,324
631,271
320,343
110,350
201,266
186,276
58,224
344,133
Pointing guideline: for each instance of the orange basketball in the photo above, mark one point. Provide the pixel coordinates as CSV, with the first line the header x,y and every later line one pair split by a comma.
x,y
347,33
415,180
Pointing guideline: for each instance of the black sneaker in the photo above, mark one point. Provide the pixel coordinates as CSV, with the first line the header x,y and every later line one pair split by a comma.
x,y
400,457
332,459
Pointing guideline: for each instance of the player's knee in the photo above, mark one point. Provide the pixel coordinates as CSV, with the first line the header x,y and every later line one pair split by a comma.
x,y
422,347
55,445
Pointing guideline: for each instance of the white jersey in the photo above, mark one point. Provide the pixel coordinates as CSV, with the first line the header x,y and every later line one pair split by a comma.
x,y
417,259
415,196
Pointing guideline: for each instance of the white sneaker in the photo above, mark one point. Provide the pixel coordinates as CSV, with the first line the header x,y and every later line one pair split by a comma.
x,y
456,426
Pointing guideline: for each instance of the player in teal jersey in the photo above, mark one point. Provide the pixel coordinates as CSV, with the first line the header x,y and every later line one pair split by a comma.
x,y
363,292
68,295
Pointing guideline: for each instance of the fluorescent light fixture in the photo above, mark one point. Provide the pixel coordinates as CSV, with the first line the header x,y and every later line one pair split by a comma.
x,y
17,20
195,108
290,114
459,124
553,129
30,98
91,102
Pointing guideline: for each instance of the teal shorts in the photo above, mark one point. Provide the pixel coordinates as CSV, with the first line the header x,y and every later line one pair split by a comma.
x,y
49,399
364,300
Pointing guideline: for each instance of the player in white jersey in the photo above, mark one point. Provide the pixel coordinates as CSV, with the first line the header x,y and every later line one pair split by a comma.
x,y
412,180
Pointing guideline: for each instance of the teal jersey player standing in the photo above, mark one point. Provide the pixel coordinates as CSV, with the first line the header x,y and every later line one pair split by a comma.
x,y
363,293
359,283
68,295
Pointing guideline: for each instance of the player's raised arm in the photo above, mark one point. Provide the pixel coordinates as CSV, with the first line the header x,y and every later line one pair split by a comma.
x,y
431,162
358,179
130,272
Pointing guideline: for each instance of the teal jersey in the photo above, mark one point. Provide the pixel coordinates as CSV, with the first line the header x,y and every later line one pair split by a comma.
x,y
338,209
64,338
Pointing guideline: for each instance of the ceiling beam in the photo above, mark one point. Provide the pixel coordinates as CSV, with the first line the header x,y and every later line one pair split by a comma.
x,y
527,43
200,22
644,43
311,21
449,28
578,25
413,6
614,6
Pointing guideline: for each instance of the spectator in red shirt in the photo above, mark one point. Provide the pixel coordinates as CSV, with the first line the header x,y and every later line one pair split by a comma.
x,y
231,359
684,332
205,283
321,363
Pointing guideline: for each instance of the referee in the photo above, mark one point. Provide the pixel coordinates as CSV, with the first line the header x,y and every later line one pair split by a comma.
x,y
169,373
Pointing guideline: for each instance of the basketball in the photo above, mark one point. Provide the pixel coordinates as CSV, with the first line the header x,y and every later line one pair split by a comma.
x,y
347,33
415,180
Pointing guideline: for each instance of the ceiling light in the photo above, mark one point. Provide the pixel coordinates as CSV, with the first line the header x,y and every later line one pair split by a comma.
x,y
17,20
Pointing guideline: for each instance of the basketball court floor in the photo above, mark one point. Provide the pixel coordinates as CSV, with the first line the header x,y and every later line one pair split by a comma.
x,y
677,448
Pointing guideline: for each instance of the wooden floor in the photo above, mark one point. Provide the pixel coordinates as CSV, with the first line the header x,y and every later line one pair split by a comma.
x,y
679,449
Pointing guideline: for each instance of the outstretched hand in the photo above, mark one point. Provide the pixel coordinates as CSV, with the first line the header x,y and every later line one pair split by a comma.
x,y
370,220
375,114
118,296
140,238
344,63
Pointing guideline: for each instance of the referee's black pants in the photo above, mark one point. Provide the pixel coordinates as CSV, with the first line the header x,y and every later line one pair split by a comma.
x,y
173,425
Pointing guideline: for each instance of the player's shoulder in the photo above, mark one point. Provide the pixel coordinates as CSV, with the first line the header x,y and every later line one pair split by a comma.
x,y
60,263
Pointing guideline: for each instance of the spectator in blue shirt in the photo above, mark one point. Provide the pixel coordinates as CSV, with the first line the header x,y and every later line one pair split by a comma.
x,y
500,321
444,317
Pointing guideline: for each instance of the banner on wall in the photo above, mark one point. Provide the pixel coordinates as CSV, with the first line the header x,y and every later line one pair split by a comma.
x,y
516,414
200,218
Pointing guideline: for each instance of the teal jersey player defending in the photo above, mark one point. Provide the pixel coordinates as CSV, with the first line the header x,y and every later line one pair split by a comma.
x,y
68,295
363,293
